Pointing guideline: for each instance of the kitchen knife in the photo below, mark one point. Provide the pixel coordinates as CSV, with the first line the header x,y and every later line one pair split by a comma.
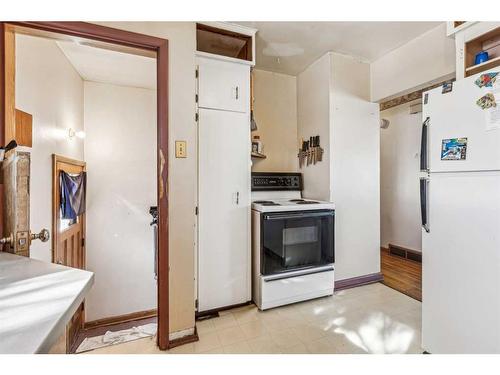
x,y
313,151
320,150
308,155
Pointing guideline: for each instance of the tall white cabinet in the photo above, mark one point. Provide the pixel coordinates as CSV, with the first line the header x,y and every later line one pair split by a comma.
x,y
224,169
333,102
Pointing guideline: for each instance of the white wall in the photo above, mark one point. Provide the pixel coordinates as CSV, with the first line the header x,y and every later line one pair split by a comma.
x,y
182,175
275,111
52,91
425,59
399,174
313,118
120,151
355,155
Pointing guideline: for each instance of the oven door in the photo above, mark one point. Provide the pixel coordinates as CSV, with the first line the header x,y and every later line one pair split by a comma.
x,y
296,240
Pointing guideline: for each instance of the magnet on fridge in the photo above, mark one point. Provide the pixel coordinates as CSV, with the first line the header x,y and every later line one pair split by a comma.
x,y
447,87
486,79
487,101
454,149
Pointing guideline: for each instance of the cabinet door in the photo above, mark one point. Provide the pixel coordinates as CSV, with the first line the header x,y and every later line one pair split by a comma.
x,y
224,209
223,85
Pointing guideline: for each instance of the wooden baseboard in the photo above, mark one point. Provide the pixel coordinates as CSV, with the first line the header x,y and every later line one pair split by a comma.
x,y
184,340
120,319
404,252
358,281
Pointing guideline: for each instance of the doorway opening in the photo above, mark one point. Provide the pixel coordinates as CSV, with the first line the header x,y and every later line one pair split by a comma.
x,y
400,224
69,148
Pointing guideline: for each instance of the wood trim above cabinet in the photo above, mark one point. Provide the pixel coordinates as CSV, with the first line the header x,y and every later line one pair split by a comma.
x,y
406,98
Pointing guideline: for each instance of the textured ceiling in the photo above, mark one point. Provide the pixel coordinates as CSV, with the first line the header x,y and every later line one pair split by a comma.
x,y
289,47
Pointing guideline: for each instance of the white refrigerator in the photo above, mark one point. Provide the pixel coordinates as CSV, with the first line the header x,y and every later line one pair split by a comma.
x,y
460,207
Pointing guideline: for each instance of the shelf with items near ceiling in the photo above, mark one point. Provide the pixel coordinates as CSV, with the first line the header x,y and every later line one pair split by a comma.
x,y
487,45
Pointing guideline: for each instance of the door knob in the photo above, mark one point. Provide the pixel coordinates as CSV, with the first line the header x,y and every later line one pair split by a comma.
x,y
8,240
43,236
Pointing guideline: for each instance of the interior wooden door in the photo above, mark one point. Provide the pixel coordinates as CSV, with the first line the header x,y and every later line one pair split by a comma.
x,y
68,237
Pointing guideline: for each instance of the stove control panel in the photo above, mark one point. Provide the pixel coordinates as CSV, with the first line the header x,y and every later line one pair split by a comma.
x,y
276,181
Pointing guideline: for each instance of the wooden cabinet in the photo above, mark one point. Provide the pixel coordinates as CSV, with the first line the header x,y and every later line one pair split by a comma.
x,y
24,128
223,85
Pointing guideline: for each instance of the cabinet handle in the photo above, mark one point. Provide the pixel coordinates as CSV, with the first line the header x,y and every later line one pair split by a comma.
x,y
237,197
237,92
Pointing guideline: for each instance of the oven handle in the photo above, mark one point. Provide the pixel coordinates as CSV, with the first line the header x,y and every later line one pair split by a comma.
x,y
298,215
306,272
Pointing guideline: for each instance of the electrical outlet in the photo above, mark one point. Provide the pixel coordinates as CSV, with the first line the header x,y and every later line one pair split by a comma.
x,y
180,149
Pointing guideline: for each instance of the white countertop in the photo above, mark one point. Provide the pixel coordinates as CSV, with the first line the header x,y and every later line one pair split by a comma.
x,y
37,300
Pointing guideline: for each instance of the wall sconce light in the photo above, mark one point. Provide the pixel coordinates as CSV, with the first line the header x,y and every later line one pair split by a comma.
x,y
72,134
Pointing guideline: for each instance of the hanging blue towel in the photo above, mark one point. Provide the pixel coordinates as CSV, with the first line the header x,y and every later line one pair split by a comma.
x,y
73,191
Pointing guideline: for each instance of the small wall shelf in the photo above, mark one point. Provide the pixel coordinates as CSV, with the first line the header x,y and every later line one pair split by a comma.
x,y
258,155
471,70
489,42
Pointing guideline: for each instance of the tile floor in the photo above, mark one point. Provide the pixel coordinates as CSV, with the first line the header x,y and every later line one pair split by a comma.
x,y
368,319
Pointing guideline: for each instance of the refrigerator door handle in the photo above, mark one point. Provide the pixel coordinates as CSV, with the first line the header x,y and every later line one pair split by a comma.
x,y
424,187
423,146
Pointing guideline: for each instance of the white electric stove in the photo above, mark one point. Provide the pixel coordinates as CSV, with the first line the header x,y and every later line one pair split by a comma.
x,y
293,242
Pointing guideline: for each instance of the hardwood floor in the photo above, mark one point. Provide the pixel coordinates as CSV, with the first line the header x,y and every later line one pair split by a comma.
x,y
402,274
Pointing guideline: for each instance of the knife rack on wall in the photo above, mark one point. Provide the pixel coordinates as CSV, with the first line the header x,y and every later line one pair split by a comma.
x,y
310,152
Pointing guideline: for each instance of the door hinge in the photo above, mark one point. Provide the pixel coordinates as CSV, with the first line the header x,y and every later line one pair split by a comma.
x,y
196,304
196,74
196,210
196,117
196,98
83,242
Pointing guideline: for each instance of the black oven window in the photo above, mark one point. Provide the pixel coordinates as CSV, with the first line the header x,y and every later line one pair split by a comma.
x,y
293,241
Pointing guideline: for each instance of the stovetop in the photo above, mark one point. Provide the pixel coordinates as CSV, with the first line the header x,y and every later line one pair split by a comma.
x,y
296,204
277,192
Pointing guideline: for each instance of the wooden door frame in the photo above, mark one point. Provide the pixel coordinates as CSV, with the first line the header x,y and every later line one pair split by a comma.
x,y
158,46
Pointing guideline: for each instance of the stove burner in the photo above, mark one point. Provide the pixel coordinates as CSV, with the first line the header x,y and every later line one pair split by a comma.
x,y
307,202
296,200
266,203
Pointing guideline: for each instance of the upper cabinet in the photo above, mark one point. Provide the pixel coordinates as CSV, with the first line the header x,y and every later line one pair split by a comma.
x,y
472,38
226,41
223,85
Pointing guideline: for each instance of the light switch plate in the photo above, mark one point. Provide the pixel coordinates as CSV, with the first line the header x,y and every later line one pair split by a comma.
x,y
180,149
